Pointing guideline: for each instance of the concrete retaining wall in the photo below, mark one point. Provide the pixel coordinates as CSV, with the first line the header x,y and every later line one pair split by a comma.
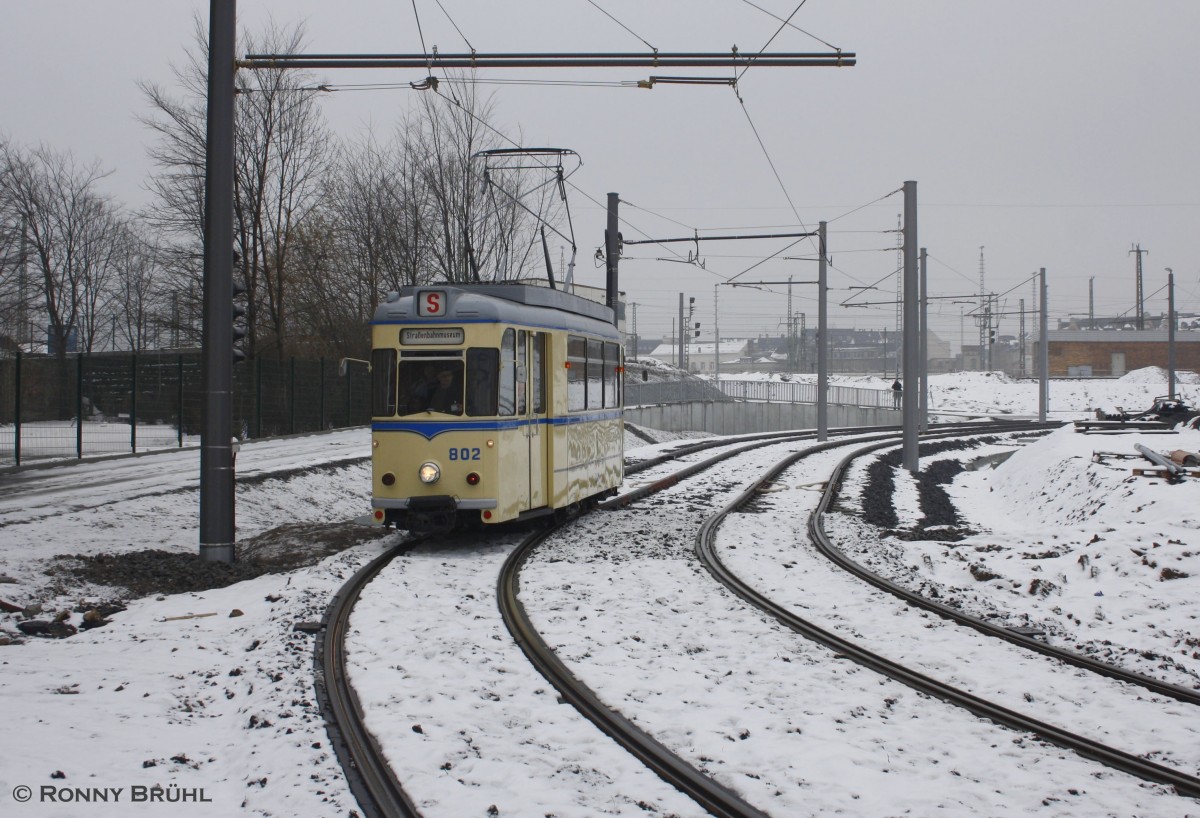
x,y
739,418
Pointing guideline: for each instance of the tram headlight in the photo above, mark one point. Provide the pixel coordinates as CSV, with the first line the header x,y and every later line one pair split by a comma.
x,y
429,472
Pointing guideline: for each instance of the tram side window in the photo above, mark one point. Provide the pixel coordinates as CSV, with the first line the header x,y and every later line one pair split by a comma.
x,y
483,365
612,383
595,375
522,371
383,383
508,372
537,378
576,373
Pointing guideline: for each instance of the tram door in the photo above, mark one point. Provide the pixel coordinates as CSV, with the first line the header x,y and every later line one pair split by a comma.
x,y
533,356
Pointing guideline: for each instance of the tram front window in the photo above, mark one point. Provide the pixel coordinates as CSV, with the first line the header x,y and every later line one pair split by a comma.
x,y
482,368
431,386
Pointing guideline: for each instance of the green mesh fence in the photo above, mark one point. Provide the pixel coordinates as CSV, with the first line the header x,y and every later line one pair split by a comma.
x,y
112,403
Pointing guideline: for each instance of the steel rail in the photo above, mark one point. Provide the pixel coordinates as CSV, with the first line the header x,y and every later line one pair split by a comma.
x,y
710,443
825,545
1183,783
371,780
715,798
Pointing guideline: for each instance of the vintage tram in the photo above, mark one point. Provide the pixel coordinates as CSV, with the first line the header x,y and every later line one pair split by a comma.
x,y
492,403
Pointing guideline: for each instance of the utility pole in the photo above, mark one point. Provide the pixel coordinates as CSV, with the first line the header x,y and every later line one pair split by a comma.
x,y
679,353
717,336
982,328
612,255
1044,353
1022,333
1170,333
217,528
923,329
822,339
899,322
1092,302
1137,249
910,346
635,332
791,325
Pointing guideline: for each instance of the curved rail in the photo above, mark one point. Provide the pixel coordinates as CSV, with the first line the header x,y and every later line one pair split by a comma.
x,y
816,530
1183,783
378,792
718,800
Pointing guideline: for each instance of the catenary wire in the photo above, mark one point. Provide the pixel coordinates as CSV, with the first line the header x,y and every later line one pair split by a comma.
x,y
791,25
622,25
768,44
456,28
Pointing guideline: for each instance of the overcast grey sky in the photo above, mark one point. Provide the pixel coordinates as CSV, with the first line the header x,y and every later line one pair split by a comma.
x,y
1053,134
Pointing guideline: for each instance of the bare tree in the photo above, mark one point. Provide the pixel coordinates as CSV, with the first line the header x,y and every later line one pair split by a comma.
x,y
281,148
144,302
71,232
486,225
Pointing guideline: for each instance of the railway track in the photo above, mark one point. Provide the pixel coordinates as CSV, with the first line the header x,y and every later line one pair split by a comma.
x,y
1184,783
380,794
371,778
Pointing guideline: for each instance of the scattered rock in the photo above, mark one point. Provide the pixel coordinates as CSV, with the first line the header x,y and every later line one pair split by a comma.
x,y
235,612
8,607
48,630
93,619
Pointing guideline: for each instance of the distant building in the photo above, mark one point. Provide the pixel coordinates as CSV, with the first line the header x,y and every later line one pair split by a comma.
x,y
702,358
1112,353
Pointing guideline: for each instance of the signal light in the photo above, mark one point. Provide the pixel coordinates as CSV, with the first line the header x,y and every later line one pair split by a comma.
x,y
473,479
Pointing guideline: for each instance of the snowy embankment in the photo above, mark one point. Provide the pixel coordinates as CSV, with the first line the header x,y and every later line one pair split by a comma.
x,y
224,702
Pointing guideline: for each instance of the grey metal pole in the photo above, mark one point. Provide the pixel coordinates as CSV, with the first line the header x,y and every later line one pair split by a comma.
x,y
1044,353
822,339
912,348
923,409
612,252
17,408
216,450
717,336
679,354
1170,333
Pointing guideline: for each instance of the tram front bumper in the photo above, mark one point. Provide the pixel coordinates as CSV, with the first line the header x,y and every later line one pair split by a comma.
x,y
433,513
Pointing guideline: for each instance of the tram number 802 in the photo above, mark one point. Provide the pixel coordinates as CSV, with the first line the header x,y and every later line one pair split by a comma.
x,y
464,454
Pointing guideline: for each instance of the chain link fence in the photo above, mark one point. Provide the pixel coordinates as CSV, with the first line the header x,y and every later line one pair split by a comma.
x,y
109,403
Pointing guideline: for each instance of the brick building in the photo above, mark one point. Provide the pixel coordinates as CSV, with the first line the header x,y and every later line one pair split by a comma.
x,y
1103,354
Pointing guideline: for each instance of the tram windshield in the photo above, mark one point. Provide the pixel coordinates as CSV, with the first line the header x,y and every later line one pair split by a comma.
x,y
442,386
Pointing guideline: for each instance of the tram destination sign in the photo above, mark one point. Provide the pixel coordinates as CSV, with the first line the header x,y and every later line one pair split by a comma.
x,y
447,336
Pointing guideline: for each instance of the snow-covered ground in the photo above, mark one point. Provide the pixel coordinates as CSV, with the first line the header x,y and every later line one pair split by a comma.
x,y
212,691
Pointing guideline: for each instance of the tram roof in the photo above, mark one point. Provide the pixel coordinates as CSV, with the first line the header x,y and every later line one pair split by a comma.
x,y
498,302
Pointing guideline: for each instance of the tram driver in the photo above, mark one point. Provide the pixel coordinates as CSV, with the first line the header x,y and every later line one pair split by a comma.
x,y
447,393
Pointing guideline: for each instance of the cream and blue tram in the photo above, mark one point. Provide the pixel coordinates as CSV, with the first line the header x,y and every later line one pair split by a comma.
x,y
491,403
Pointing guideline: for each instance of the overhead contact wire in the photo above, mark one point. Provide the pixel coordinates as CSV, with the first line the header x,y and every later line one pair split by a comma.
x,y
791,25
456,28
622,25
773,36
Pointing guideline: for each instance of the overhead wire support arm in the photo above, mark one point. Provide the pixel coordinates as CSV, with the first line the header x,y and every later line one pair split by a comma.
x,y
426,62
723,238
